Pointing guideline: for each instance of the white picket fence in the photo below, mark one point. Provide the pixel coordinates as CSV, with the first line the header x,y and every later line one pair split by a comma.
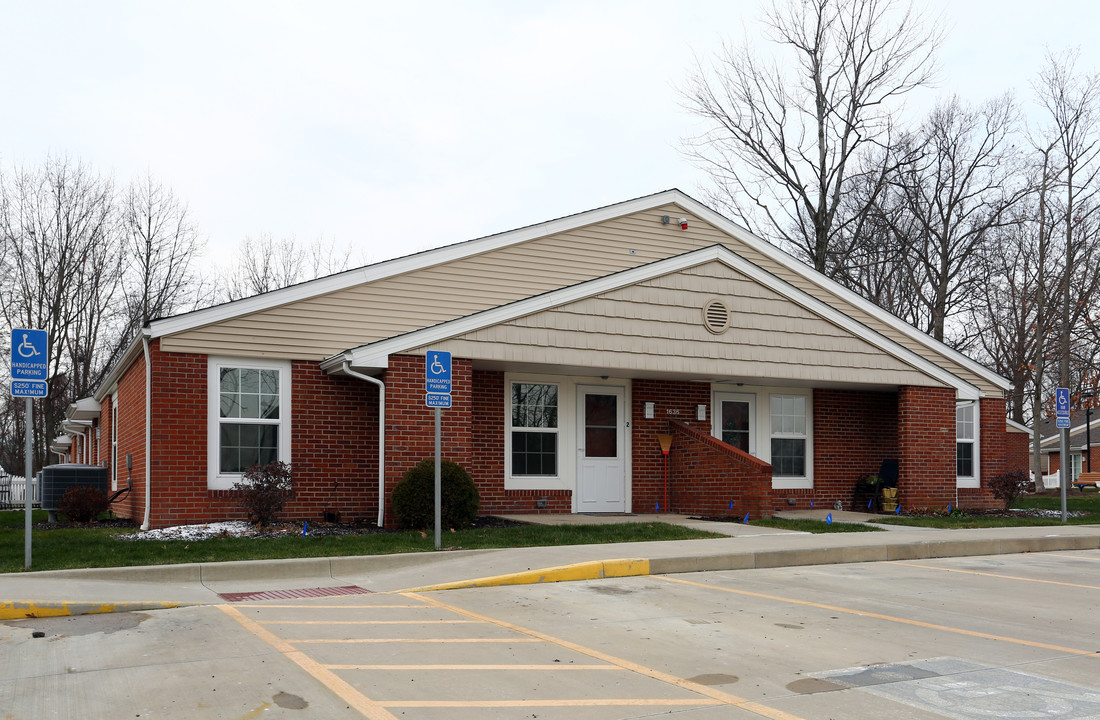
x,y
13,491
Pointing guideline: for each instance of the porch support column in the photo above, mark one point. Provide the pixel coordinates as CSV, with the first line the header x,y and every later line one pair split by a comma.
x,y
926,446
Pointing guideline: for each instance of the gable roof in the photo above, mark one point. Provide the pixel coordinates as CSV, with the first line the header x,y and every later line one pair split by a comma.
x,y
374,356
953,362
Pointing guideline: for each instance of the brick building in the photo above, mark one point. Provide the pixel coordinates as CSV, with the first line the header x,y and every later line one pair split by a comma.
x,y
579,346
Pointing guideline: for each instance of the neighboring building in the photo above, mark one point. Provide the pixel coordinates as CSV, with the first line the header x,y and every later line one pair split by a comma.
x,y
577,343
1050,450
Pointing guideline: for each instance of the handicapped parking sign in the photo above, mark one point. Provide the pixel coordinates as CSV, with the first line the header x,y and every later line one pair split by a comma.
x,y
437,372
29,359
1061,407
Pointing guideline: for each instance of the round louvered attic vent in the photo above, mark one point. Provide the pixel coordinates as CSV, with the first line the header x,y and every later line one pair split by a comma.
x,y
716,316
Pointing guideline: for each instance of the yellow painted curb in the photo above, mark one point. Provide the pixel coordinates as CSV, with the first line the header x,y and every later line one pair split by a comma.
x,y
591,570
15,610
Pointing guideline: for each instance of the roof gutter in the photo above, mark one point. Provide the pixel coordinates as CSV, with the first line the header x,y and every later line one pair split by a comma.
x,y
346,369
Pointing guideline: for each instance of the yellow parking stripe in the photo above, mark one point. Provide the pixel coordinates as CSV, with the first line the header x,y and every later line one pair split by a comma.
x,y
352,641
996,575
252,605
544,666
367,622
890,618
723,697
355,699
585,702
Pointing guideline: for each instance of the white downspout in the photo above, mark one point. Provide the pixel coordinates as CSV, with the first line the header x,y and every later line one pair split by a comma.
x,y
381,437
148,429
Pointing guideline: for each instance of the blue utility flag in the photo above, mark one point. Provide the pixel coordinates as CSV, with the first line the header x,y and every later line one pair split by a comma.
x,y
869,502
731,504
829,519
897,510
948,508
811,502
746,520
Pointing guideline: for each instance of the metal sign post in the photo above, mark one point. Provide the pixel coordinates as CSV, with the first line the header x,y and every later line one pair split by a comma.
x,y
29,364
1061,406
437,387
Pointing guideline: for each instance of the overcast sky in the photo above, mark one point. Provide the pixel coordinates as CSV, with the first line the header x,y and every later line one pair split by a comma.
x,y
401,126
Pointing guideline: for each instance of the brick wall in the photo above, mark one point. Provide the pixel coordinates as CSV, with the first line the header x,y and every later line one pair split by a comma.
x,y
853,432
1018,452
993,447
335,445
131,440
334,460
714,479
672,401
487,457
410,426
926,447
179,431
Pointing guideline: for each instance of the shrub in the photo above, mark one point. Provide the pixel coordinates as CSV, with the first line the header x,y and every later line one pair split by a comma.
x,y
414,497
83,503
1010,486
263,491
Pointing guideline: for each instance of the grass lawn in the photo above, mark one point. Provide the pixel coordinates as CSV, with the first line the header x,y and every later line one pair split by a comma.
x,y
1076,501
66,548
814,526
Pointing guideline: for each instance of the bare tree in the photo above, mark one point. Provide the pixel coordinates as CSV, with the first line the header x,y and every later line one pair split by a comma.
x,y
162,246
264,264
60,271
958,185
783,144
1071,101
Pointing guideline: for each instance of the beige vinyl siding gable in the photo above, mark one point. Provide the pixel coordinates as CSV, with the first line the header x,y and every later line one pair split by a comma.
x,y
318,327
656,326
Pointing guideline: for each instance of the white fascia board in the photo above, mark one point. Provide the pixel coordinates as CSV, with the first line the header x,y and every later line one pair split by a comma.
x,y
778,255
397,266
1018,426
375,354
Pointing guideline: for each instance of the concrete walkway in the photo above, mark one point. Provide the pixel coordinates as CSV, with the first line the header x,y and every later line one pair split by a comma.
x,y
73,592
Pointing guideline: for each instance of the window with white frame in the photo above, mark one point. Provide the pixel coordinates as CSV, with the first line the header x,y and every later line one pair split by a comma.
x,y
250,417
966,441
534,429
789,436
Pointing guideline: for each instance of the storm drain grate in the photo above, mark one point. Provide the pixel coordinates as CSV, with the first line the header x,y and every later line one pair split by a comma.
x,y
292,594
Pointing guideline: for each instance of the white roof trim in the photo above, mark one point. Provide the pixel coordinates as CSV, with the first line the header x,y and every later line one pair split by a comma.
x,y
376,355
1019,426
408,263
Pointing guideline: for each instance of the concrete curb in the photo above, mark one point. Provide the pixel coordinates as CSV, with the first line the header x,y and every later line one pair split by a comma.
x,y
592,570
342,567
32,609
200,573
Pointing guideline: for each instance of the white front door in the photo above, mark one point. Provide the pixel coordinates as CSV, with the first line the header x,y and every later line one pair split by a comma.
x,y
601,449
734,420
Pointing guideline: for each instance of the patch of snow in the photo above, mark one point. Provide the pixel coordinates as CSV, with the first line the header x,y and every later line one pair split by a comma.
x,y
234,528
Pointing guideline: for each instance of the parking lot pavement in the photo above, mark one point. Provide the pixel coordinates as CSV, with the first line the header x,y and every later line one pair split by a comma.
x,y
1005,636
